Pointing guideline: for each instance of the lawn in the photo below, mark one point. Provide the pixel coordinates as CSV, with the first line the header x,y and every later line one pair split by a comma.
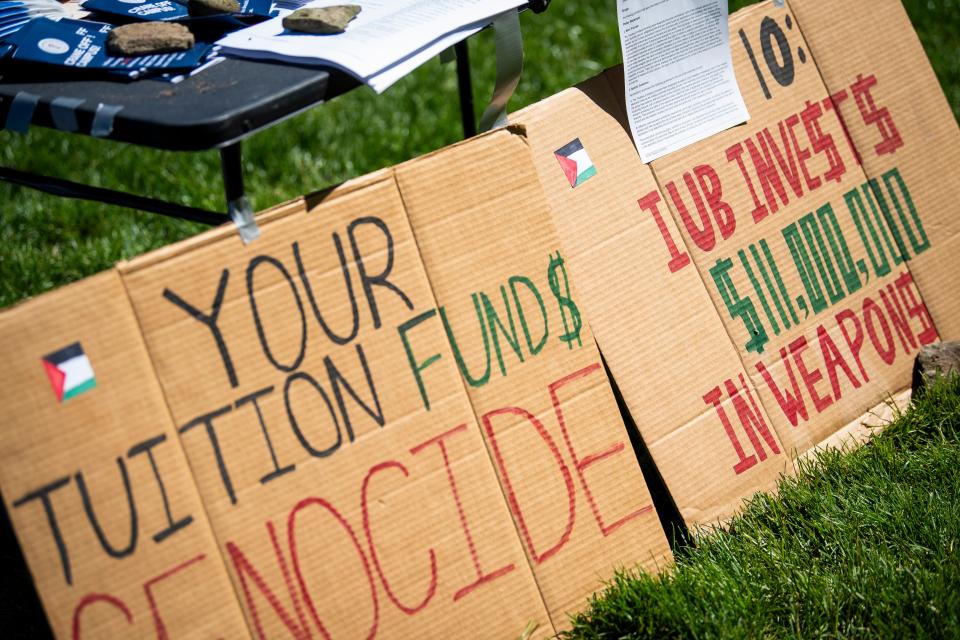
x,y
46,241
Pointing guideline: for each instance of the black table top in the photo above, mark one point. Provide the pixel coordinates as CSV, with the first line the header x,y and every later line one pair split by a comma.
x,y
214,108
249,95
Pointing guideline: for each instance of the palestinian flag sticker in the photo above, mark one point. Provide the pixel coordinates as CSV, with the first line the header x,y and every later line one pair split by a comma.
x,y
69,372
576,164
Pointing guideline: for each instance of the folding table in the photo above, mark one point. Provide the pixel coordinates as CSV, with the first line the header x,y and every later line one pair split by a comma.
x,y
215,109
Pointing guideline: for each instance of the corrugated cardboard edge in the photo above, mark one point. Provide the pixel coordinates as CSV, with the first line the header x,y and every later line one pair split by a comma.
x,y
298,205
860,431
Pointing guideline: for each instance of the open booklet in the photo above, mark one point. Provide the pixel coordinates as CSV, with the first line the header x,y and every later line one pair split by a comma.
x,y
387,40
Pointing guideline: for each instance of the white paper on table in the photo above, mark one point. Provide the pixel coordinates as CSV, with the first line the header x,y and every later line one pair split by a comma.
x,y
385,34
382,80
678,72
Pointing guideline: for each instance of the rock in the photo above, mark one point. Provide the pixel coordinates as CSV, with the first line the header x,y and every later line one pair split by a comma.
x,y
935,360
144,38
322,20
212,7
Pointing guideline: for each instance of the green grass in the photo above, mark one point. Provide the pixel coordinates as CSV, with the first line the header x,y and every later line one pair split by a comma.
x,y
864,544
46,241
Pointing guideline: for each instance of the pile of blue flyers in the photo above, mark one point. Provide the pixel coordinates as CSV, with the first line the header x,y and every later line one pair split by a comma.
x,y
40,35
14,14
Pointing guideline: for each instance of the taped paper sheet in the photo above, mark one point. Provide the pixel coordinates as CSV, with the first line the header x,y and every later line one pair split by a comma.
x,y
679,78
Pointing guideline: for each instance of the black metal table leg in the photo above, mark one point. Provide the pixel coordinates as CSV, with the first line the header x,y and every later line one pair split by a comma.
x,y
68,189
238,207
466,90
230,163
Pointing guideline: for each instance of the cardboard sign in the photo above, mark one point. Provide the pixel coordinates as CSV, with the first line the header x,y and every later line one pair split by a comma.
x,y
343,504
392,431
778,217
645,308
532,369
895,112
388,415
808,257
94,478
768,213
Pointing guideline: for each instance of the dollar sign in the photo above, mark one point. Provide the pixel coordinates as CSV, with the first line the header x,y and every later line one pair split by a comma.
x,y
568,308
